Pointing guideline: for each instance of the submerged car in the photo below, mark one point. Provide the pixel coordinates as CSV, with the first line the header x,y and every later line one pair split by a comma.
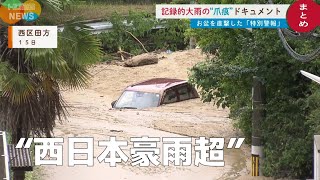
x,y
155,92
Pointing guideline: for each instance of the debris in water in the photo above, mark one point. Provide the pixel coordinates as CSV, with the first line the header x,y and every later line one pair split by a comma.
x,y
112,130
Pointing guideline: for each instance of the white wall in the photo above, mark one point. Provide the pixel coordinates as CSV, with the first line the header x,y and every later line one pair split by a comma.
x,y
4,157
316,157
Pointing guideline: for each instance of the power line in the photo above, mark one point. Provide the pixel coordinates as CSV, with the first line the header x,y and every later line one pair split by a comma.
x,y
293,53
296,35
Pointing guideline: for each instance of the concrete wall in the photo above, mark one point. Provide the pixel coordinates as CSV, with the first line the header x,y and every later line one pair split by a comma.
x,y
316,157
4,162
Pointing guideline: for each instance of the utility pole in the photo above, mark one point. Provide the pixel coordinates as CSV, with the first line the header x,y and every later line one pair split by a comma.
x,y
258,115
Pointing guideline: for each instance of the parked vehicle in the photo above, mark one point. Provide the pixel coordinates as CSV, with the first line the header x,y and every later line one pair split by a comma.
x,y
155,92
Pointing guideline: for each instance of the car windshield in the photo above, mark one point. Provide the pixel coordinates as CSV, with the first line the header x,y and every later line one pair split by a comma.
x,y
137,100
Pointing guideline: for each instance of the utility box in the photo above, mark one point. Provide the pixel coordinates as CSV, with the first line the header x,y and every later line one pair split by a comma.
x,y
316,157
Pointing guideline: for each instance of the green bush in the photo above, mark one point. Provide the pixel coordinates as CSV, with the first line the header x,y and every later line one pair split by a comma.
x,y
171,37
181,2
292,109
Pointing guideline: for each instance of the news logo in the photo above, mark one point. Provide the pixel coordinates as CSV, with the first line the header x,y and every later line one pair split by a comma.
x,y
12,11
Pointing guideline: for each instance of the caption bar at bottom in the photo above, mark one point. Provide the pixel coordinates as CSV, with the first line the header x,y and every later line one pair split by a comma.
x,y
144,151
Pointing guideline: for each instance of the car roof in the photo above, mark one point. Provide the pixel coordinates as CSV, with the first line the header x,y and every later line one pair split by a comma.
x,y
155,85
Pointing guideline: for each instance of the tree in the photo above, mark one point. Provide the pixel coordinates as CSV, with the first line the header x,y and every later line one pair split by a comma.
x,y
31,79
127,38
292,100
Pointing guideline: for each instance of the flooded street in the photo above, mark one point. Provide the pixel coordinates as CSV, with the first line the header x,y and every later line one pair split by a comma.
x,y
90,116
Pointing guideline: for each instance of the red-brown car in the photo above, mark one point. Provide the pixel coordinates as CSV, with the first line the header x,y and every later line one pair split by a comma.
x,y
155,92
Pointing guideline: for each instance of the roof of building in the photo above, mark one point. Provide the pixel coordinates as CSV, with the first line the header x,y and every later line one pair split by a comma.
x,y
20,159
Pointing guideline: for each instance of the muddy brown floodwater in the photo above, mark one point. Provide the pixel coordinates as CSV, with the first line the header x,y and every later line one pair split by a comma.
x,y
90,116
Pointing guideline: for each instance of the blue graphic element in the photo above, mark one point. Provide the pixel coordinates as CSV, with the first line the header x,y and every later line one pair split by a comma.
x,y
238,23
30,16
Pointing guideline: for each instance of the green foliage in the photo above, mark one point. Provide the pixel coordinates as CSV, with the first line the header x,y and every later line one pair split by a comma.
x,y
107,58
38,171
292,99
120,36
288,147
180,2
31,80
36,174
172,36
129,1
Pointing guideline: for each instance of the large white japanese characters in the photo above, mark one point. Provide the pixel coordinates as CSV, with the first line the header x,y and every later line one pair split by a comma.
x,y
145,151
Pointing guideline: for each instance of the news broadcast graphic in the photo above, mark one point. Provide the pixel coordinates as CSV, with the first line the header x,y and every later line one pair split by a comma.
x,y
227,15
12,11
304,15
32,37
301,16
144,152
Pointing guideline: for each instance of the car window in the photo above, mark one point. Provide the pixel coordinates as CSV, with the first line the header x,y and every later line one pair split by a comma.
x,y
126,98
138,100
184,93
170,97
